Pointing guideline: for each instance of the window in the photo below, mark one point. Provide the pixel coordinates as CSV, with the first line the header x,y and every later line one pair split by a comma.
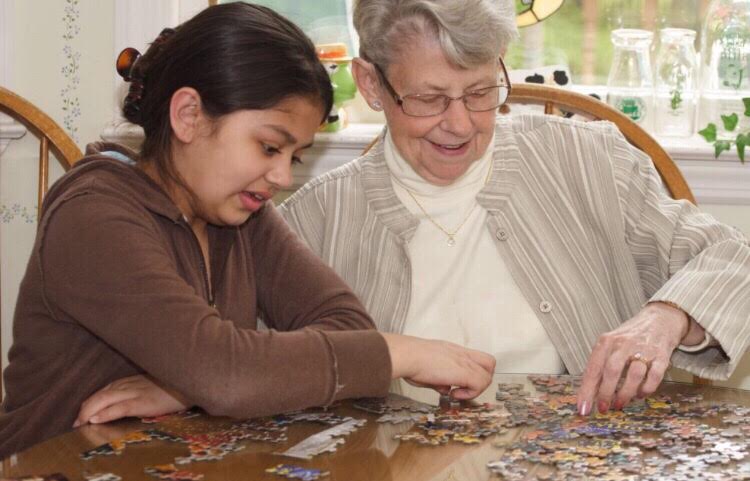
x,y
325,21
578,34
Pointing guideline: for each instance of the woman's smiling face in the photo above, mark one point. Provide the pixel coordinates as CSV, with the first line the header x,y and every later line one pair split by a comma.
x,y
440,148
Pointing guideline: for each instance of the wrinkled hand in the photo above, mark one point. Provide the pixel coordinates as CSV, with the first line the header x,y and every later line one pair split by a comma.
x,y
137,396
443,366
655,332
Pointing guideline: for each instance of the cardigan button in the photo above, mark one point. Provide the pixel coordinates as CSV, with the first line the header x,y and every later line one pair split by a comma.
x,y
545,307
501,235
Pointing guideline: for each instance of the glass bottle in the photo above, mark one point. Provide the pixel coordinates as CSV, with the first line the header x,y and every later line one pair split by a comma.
x,y
630,86
725,64
676,81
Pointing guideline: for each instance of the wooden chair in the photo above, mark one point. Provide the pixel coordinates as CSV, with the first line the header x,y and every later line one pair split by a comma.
x,y
50,135
556,101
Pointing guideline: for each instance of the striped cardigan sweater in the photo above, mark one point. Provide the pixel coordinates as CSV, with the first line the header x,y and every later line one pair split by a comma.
x,y
583,223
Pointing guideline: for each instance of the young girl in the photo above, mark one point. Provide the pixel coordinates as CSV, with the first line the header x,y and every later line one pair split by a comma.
x,y
159,264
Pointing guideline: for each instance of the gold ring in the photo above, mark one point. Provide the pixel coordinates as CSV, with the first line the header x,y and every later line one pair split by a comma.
x,y
640,358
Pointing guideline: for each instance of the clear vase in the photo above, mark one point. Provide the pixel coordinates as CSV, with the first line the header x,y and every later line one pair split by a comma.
x,y
725,65
676,81
630,86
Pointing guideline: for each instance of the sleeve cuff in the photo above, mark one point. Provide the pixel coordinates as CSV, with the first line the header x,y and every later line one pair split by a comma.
x,y
362,363
707,341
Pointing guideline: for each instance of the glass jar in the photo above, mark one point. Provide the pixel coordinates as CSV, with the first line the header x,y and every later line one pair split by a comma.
x,y
630,86
676,81
725,64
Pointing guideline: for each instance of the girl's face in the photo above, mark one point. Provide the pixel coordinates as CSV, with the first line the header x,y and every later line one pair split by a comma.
x,y
235,164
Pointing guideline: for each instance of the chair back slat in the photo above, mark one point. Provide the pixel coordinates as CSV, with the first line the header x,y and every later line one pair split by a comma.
x,y
43,173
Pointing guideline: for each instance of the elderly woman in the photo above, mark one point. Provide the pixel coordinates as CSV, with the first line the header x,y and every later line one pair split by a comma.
x,y
546,242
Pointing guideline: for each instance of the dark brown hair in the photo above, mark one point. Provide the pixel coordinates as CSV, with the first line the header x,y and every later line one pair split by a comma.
x,y
237,56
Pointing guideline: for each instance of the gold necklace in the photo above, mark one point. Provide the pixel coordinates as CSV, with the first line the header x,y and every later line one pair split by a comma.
x,y
451,235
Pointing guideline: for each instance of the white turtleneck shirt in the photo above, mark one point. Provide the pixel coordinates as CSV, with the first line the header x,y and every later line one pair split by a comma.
x,y
464,293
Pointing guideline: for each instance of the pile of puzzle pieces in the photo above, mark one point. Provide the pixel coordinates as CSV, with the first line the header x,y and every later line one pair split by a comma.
x,y
658,438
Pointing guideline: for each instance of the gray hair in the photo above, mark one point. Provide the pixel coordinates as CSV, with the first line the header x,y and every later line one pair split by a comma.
x,y
470,32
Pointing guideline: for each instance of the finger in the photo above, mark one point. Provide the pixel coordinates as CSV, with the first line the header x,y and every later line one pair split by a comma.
x,y
100,400
115,411
444,390
636,372
592,377
486,361
611,375
654,378
475,383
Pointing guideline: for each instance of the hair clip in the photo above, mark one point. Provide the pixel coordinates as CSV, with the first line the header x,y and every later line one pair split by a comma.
x,y
125,62
163,35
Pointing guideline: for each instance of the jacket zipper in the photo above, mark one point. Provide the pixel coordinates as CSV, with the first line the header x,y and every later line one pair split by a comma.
x,y
206,281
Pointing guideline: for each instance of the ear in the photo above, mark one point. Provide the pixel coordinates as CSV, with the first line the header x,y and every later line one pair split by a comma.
x,y
185,114
368,83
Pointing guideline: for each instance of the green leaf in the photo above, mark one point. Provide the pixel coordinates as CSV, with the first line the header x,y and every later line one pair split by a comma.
x,y
720,146
709,133
746,101
730,121
741,141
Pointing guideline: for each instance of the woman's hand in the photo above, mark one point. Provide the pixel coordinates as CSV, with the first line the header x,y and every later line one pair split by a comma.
x,y
639,350
440,365
137,396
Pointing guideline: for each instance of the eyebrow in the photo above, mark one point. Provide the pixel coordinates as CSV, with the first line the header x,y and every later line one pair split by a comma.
x,y
469,87
288,137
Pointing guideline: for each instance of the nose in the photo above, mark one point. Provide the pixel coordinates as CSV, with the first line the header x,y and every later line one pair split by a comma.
x,y
457,119
280,175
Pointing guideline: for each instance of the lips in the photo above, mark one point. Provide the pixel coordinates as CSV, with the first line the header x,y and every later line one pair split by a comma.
x,y
253,201
260,197
452,148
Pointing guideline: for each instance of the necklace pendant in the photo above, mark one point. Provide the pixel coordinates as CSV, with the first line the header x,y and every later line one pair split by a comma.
x,y
451,241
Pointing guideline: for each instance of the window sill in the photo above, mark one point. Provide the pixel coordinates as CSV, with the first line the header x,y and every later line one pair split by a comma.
x,y
714,181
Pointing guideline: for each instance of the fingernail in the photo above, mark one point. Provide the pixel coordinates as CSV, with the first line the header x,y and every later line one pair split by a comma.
x,y
603,406
76,424
619,405
94,420
583,410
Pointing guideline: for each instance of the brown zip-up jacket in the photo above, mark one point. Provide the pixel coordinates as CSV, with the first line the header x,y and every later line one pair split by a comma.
x,y
116,286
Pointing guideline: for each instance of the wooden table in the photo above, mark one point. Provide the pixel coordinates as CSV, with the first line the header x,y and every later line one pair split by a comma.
x,y
370,453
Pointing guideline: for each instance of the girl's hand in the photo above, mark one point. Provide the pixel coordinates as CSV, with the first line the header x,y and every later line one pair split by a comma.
x,y
138,396
441,365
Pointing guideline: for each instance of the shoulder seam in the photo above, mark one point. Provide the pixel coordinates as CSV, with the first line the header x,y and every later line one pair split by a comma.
x,y
344,171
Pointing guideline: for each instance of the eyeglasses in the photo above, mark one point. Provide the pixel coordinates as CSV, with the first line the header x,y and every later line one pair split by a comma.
x,y
427,105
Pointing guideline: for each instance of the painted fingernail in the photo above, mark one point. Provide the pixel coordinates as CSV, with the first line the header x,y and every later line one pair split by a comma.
x,y
619,405
603,406
584,408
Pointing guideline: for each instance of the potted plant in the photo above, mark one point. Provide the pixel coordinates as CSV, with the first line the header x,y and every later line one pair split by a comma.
x,y
740,141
